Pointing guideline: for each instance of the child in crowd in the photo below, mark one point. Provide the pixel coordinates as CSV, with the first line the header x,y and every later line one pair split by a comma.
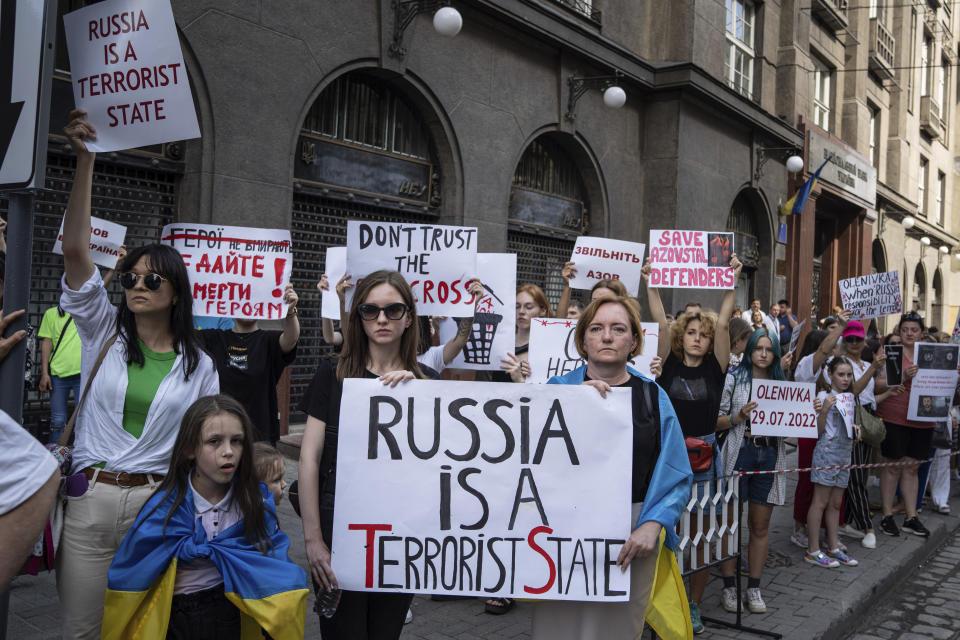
x,y
270,469
834,447
206,546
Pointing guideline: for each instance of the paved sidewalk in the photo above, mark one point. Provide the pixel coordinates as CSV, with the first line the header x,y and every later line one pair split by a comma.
x,y
803,601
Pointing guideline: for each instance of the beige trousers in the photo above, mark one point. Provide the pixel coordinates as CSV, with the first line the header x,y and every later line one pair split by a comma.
x,y
93,526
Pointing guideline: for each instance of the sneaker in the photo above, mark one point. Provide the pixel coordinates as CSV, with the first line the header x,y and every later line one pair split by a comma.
x,y
842,558
841,546
755,603
850,531
914,526
728,598
799,538
695,620
821,559
409,617
943,508
888,526
869,541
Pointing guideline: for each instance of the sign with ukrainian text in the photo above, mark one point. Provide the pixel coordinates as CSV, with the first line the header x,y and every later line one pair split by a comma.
x,y
553,350
847,170
599,259
437,261
105,240
235,272
128,74
483,489
691,259
872,296
784,409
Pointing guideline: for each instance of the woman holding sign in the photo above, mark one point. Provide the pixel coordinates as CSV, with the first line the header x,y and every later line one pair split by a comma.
x,y
696,351
151,368
608,334
531,303
380,342
745,452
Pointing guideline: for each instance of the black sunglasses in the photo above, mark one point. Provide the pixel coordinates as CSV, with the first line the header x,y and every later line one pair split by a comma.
x,y
913,316
394,311
151,281
853,339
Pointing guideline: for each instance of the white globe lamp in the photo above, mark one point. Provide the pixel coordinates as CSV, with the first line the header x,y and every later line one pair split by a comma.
x,y
794,164
447,21
614,97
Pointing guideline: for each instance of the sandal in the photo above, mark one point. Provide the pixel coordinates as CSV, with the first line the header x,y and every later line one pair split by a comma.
x,y
498,606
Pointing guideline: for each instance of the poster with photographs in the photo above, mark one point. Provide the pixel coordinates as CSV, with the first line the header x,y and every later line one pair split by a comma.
x,y
932,389
893,363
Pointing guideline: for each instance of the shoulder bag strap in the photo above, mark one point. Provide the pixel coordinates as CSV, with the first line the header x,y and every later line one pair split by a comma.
x,y
68,429
59,340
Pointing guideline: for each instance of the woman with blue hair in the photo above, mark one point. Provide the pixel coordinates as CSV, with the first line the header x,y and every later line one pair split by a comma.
x,y
743,451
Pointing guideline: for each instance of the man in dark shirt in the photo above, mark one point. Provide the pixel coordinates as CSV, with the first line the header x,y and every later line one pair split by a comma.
x,y
250,362
787,322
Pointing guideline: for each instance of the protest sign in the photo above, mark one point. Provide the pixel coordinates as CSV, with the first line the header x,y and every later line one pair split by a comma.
x,y
335,267
795,335
553,350
128,74
599,259
492,333
437,260
955,338
893,364
483,489
235,272
846,405
691,259
872,296
784,409
105,240
932,389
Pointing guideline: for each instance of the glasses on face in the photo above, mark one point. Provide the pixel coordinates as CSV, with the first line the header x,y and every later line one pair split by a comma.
x,y
393,311
152,281
853,339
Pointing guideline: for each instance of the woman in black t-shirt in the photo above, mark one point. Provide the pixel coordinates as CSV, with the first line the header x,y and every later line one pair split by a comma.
x,y
380,342
695,351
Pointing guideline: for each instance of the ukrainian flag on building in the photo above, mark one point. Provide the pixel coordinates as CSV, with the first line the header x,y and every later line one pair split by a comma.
x,y
269,590
795,204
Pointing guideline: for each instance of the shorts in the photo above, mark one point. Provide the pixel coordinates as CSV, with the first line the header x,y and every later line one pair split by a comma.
x,y
906,442
704,481
831,453
756,489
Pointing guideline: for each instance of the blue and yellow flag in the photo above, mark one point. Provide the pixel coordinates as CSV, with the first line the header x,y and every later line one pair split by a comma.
x,y
796,204
269,590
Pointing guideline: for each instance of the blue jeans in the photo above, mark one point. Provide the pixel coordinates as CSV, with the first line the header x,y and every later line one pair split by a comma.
x,y
59,395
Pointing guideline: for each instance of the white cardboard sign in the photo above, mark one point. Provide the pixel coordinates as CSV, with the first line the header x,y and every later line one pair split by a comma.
x,y
846,405
493,333
872,296
691,259
335,267
235,272
932,389
606,259
105,240
553,351
462,488
128,74
784,409
437,260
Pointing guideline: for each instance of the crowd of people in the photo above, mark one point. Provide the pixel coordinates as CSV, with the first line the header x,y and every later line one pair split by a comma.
x,y
173,481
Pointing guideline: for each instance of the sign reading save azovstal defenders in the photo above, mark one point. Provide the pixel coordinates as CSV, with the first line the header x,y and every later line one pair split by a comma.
x,y
507,490
691,259
128,74
235,272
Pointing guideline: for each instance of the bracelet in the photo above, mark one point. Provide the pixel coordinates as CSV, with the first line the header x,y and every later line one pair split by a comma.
x,y
292,312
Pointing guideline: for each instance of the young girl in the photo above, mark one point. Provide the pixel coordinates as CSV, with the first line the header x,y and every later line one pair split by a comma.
x,y
834,447
206,546
270,469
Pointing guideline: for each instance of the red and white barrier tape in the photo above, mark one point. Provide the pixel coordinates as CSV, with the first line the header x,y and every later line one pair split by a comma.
x,y
838,467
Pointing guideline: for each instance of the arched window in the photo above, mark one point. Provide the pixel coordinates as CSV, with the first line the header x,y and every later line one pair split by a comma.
x,y
742,221
920,289
878,259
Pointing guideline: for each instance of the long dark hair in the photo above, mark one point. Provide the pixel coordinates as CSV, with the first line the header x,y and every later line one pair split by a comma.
x,y
356,346
832,364
246,485
165,261
744,371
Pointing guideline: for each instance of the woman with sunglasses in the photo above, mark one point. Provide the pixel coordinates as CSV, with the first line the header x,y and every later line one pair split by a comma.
x,y
380,342
153,368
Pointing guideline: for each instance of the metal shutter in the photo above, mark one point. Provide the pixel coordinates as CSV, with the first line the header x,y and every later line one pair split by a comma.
x,y
540,257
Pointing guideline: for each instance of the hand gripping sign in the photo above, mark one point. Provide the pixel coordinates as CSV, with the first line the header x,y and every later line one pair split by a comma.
x,y
105,240
783,409
483,489
128,74
235,272
436,260
599,259
691,259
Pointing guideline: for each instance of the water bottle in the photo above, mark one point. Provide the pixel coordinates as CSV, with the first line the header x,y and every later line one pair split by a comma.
x,y
327,601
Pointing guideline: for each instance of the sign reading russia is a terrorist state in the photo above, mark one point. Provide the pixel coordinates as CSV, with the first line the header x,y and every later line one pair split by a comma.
x,y
691,259
235,272
483,489
128,74
437,261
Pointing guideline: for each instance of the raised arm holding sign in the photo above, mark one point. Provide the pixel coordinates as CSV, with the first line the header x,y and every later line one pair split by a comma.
x,y
872,296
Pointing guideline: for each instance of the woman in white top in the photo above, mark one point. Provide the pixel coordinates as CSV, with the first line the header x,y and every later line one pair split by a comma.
x,y
151,373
